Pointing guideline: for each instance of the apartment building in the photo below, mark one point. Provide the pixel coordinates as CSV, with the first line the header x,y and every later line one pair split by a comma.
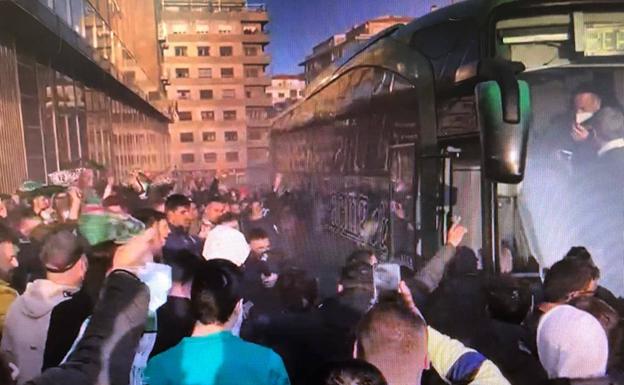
x,y
286,90
336,46
215,62
78,78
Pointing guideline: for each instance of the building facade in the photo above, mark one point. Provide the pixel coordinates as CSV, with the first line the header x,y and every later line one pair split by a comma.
x,y
215,65
336,46
285,90
79,77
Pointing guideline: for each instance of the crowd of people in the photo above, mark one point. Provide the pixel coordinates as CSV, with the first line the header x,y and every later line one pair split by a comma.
x,y
187,282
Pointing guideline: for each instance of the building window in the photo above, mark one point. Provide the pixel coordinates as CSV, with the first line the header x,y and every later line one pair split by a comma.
x,y
256,114
226,51
182,73
250,29
229,115
229,94
205,94
186,137
293,94
188,158
225,29
181,51
251,51
231,136
281,95
207,115
201,28
300,92
254,135
185,116
231,156
203,51
204,73
210,157
251,72
183,94
227,73
179,29
209,136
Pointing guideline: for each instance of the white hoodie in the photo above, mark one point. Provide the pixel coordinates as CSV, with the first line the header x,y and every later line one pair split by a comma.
x,y
27,322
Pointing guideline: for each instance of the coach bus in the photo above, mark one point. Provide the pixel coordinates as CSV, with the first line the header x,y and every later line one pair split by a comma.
x,y
467,111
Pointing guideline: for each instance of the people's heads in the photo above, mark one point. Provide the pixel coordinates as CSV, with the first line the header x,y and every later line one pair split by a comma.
x,y
24,220
157,221
5,205
394,339
183,267
571,343
235,208
216,292
297,290
86,178
465,262
64,256
213,210
607,124
568,279
363,255
8,252
194,212
40,203
605,314
224,242
508,300
352,372
178,211
258,241
229,219
116,204
580,254
356,276
586,102
256,208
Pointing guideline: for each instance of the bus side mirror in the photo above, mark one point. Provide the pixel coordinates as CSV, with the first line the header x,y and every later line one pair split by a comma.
x,y
504,140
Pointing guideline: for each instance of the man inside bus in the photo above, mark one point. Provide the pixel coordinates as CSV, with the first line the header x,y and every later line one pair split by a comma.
x,y
572,142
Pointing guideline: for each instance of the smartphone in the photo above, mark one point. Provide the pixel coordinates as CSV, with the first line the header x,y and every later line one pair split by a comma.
x,y
386,277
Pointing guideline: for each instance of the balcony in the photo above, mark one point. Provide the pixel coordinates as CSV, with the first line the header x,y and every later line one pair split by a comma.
x,y
263,59
259,101
259,81
207,81
259,38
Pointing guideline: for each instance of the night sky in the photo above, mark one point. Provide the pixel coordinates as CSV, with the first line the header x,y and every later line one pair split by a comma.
x,y
298,25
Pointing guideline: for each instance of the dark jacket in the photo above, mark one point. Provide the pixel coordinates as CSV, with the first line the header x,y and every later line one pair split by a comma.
x,y
175,321
105,353
180,239
65,322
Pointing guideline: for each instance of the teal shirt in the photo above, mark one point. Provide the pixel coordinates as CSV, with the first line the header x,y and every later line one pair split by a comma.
x,y
219,359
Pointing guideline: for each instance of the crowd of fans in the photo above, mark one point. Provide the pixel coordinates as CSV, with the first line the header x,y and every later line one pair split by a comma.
x,y
186,282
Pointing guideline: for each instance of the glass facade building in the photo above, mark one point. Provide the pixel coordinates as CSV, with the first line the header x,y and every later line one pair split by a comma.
x,y
80,81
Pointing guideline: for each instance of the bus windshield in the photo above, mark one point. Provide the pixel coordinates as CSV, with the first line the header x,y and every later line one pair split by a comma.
x,y
572,194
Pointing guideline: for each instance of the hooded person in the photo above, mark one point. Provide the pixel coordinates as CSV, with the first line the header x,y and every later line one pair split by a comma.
x,y
571,343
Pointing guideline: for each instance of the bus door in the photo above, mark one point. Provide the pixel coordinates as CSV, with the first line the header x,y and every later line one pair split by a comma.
x,y
403,243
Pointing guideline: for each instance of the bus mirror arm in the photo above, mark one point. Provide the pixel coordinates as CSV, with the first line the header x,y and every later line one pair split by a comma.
x,y
504,73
